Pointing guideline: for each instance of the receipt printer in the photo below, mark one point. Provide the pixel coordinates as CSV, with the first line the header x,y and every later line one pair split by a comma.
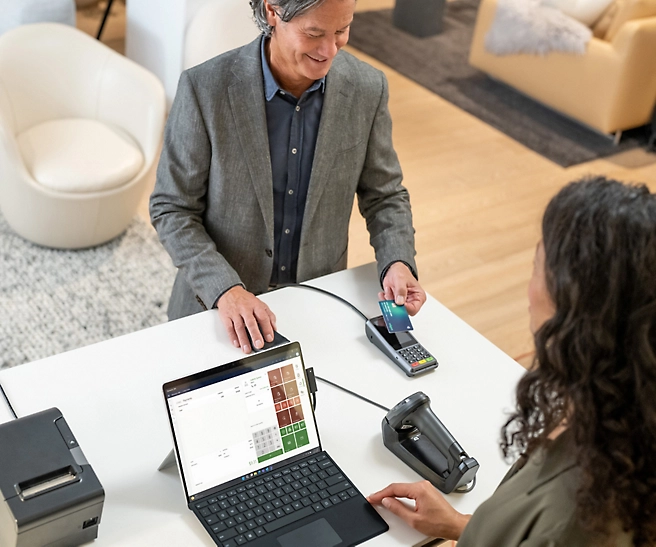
x,y
49,495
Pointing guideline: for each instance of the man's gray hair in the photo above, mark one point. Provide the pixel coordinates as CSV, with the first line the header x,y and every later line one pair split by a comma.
x,y
286,9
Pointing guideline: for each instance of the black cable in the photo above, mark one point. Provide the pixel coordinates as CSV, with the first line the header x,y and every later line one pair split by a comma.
x,y
4,394
351,393
310,287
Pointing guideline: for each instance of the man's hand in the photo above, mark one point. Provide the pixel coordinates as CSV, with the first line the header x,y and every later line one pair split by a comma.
x,y
431,515
402,287
240,310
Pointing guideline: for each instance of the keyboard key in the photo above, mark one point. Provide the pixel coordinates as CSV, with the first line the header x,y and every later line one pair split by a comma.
x,y
339,487
226,535
335,479
288,519
241,540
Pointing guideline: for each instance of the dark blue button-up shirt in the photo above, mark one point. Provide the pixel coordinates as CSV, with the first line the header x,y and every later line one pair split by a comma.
x,y
292,126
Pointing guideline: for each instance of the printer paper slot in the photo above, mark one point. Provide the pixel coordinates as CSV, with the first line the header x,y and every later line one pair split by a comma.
x,y
45,483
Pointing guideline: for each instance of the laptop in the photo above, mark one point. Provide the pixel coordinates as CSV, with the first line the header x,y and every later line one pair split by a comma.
x,y
251,462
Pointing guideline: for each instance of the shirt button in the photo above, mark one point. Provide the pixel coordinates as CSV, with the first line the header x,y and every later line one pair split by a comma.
x,y
283,268
290,192
287,231
298,108
294,150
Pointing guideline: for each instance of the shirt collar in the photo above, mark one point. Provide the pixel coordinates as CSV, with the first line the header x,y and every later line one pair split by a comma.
x,y
271,87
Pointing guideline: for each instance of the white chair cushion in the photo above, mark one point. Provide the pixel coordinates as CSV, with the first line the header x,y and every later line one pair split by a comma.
x,y
79,155
585,11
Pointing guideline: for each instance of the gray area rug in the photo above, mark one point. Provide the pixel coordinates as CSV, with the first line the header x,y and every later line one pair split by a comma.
x,y
53,300
440,64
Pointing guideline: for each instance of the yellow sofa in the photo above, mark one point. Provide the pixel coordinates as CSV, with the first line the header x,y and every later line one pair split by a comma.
x,y
612,87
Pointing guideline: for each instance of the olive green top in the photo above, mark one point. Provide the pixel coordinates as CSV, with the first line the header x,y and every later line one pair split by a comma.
x,y
535,505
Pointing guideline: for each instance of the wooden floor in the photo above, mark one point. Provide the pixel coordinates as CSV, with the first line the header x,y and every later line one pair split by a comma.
x,y
477,198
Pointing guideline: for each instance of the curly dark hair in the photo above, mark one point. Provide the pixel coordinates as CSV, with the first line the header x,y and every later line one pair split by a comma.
x,y
595,363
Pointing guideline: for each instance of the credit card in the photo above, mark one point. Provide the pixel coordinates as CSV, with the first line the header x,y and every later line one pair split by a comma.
x,y
396,317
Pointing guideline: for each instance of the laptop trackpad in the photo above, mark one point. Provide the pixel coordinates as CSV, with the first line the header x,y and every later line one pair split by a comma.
x,y
318,534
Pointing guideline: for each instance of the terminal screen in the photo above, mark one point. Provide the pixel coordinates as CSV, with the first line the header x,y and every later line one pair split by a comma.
x,y
236,426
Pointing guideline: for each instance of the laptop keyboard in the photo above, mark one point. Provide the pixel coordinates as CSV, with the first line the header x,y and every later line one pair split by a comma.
x,y
263,505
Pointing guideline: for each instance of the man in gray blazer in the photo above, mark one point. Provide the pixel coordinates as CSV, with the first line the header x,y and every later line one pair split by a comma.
x,y
264,150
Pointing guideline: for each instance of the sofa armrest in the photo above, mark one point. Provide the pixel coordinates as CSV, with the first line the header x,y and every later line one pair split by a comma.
x,y
635,44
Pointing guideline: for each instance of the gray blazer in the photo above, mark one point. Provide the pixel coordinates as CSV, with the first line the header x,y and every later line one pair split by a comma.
x,y
213,200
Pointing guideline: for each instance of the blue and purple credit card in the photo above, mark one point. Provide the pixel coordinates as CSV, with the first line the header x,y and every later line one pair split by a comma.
x,y
395,316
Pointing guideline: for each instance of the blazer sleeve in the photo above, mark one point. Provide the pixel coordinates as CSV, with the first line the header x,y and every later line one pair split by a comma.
x,y
178,202
382,199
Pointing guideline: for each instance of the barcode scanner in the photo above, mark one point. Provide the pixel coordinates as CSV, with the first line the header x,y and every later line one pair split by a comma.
x,y
413,432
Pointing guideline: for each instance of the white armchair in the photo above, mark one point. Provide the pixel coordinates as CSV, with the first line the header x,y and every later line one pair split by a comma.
x,y
80,132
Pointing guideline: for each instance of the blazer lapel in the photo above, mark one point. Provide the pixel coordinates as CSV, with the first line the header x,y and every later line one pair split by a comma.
x,y
334,123
246,97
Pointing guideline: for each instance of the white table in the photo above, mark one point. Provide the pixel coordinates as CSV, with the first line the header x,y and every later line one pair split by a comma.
x,y
110,394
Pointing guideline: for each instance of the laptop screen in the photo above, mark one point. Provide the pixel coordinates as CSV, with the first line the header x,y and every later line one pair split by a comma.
x,y
239,420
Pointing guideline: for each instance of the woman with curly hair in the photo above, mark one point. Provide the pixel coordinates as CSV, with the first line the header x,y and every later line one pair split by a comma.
x,y
585,420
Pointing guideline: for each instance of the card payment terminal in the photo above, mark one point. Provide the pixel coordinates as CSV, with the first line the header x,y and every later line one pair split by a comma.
x,y
401,347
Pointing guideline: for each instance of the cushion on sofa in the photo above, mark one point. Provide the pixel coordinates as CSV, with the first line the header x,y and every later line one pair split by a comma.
x,y
585,11
79,155
531,27
621,11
